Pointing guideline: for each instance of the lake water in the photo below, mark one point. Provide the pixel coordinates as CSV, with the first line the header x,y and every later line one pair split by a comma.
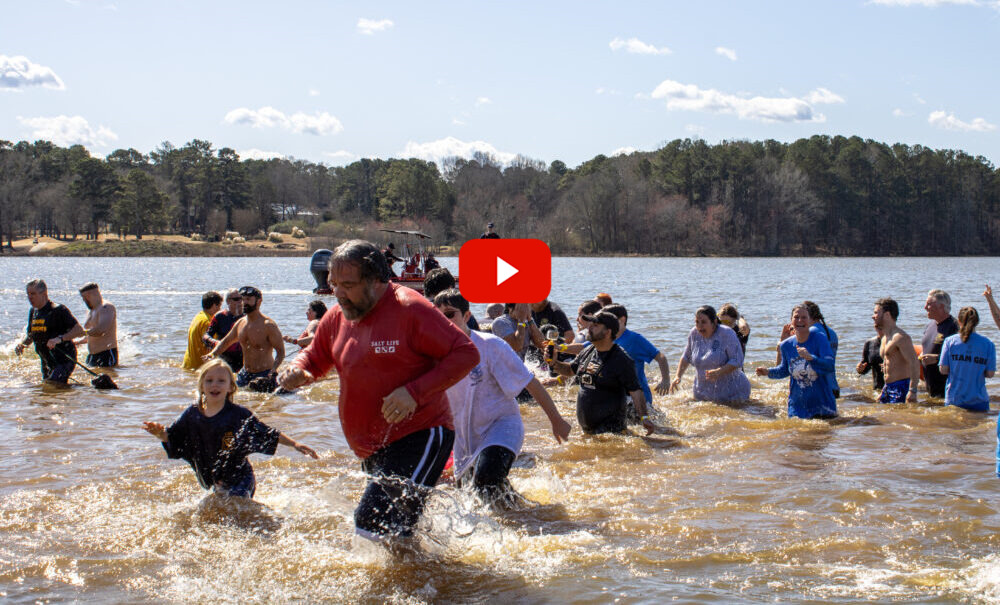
x,y
900,504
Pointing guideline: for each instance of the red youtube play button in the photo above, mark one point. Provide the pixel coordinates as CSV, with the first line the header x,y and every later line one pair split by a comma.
x,y
505,270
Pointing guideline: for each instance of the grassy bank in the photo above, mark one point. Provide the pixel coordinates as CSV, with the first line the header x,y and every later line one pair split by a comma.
x,y
157,247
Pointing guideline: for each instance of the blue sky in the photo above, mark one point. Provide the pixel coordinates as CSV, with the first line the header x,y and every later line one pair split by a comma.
x,y
334,81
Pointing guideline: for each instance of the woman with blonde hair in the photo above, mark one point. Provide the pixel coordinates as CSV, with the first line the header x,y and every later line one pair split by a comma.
x,y
730,317
215,435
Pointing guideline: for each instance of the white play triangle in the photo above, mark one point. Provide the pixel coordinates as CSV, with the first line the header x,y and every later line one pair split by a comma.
x,y
505,271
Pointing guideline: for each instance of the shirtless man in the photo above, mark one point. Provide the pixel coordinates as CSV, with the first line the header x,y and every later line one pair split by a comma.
x,y
100,329
902,369
260,339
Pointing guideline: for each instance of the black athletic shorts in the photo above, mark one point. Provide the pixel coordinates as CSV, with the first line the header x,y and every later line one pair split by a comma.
x,y
488,474
402,475
104,359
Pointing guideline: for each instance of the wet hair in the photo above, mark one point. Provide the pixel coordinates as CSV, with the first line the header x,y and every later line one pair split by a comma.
x,y
38,285
888,305
803,306
817,315
729,310
968,319
438,280
590,307
205,369
452,297
709,312
319,308
210,299
617,310
942,297
369,260
609,321
88,287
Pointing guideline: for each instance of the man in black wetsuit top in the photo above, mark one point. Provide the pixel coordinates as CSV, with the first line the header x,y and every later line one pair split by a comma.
x,y
941,326
390,257
490,233
52,328
606,375
222,323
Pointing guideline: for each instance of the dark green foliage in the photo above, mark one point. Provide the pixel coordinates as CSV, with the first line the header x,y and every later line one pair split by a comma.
x,y
821,195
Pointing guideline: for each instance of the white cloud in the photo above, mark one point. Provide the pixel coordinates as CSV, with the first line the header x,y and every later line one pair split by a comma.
x,y
259,154
899,113
68,130
435,151
480,101
690,97
368,27
340,157
19,72
919,99
726,52
320,123
822,95
457,122
930,3
948,121
313,92
638,47
623,151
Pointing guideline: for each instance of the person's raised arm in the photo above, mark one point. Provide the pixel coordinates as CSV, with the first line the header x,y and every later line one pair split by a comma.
x,y
994,308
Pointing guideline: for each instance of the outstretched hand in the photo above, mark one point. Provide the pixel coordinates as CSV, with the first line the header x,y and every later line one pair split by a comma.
x,y
663,387
561,429
988,293
762,371
156,429
306,450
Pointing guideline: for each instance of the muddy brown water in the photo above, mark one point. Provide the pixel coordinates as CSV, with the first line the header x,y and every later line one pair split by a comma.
x,y
890,504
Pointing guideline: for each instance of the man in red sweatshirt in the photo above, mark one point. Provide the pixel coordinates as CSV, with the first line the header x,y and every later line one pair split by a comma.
x,y
395,355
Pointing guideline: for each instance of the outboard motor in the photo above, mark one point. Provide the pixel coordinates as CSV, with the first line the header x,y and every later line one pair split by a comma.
x,y
320,267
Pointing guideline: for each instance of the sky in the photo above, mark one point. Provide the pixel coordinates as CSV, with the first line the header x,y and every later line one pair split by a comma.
x,y
333,82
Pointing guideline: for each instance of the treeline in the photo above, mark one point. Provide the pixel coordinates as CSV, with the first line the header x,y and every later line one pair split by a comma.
x,y
822,195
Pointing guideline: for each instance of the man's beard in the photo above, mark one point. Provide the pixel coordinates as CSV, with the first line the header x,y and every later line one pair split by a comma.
x,y
352,310
248,309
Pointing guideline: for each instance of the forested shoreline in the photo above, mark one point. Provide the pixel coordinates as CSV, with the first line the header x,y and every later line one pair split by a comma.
x,y
822,195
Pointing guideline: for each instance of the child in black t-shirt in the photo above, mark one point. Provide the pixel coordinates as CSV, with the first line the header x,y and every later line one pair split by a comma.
x,y
215,436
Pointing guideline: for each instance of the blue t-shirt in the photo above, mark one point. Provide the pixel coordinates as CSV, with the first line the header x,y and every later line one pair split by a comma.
x,y
834,344
642,352
967,363
809,392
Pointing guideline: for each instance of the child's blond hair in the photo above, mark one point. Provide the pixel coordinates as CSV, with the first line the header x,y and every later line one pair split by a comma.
x,y
205,369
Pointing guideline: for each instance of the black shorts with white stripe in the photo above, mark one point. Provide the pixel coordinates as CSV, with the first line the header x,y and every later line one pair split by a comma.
x,y
402,475
104,359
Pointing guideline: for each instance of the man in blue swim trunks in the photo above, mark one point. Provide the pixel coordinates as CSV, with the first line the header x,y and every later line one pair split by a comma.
x,y
902,369
260,339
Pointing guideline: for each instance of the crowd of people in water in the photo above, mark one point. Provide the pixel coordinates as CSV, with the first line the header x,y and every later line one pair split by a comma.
x,y
424,384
